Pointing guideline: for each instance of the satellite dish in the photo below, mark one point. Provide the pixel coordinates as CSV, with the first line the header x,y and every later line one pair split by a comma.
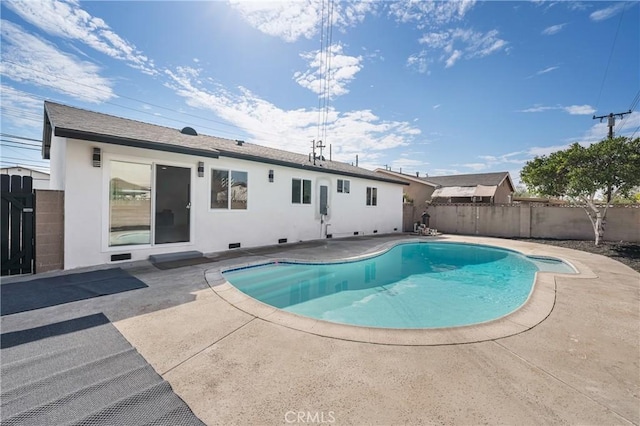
x,y
189,131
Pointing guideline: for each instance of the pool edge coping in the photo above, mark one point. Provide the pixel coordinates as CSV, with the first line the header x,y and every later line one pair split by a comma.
x,y
538,306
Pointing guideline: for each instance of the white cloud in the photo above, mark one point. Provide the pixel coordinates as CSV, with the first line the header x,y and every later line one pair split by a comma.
x,y
293,19
65,18
572,109
436,106
354,132
606,13
538,108
458,43
409,166
418,62
546,70
20,108
453,58
29,59
580,109
476,167
430,13
343,69
554,29
545,150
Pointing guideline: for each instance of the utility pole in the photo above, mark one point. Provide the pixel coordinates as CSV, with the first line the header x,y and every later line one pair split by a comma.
x,y
611,120
320,146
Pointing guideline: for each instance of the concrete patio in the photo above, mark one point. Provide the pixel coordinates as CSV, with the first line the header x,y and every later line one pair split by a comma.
x,y
578,365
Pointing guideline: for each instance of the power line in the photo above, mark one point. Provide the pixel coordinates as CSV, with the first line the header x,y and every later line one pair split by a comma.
x,y
7,135
327,73
606,70
236,134
18,147
632,107
25,159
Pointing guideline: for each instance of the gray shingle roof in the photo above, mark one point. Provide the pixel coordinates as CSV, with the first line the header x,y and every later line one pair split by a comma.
x,y
487,179
94,126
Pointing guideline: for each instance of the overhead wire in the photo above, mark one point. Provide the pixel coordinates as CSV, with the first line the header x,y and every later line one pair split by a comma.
x,y
606,70
7,135
235,134
632,107
324,71
320,77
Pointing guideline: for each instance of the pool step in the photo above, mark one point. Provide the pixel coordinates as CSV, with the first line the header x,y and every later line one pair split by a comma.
x,y
281,289
269,278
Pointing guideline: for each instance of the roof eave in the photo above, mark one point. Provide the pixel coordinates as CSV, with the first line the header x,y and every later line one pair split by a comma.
x,y
157,146
405,177
304,166
136,143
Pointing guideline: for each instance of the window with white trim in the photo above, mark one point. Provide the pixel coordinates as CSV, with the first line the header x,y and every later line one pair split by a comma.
x,y
372,196
344,186
229,189
301,191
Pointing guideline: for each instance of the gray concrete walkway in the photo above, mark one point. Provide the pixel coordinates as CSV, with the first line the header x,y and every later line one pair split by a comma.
x,y
580,365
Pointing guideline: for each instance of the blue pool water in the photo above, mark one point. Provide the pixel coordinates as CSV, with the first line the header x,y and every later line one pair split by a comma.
x,y
418,285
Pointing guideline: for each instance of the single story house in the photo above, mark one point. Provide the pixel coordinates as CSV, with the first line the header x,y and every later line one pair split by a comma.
x,y
40,178
487,188
133,189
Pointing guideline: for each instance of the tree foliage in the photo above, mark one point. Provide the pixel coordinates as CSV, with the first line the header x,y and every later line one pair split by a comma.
x,y
581,174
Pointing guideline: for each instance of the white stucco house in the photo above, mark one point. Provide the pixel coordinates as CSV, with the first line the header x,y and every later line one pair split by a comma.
x,y
134,189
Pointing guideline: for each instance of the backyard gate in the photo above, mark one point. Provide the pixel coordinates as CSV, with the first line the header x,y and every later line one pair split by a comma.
x,y
17,225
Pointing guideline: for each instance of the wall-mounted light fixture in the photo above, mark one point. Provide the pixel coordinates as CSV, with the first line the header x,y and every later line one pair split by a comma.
x,y
270,175
96,157
200,169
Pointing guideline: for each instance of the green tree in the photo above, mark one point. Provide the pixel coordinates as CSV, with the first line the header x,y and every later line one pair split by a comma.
x,y
608,168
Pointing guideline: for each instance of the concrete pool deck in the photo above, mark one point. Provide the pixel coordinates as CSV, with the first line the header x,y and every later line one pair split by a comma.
x,y
579,365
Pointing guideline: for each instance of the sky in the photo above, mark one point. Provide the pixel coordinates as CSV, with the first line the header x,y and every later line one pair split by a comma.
x,y
419,86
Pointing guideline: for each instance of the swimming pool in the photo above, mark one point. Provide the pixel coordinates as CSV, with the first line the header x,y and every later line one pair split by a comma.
x,y
415,285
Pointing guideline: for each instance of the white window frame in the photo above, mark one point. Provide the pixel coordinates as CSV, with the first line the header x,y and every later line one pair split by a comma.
x,y
344,186
229,172
372,196
302,181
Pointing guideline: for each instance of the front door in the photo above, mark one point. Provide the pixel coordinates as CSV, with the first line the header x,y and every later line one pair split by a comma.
x,y
173,204
324,200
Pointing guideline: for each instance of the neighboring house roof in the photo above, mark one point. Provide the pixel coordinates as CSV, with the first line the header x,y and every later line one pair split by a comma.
x,y
464,191
7,170
490,182
485,179
82,124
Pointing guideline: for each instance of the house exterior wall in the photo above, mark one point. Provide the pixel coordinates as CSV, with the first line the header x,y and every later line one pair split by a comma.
x,y
57,163
503,193
419,193
270,214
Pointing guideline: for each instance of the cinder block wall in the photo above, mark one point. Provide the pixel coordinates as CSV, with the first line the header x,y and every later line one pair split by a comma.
x,y
622,223
49,230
